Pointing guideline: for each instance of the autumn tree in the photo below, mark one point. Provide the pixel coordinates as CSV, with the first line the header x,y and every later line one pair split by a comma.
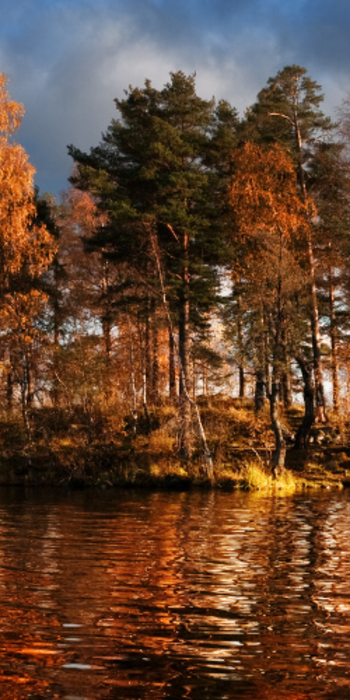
x,y
288,112
270,220
26,250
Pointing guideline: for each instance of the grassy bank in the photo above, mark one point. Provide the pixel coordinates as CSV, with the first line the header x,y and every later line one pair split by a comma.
x,y
78,448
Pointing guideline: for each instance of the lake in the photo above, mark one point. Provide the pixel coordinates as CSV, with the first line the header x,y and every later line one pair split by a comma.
x,y
197,595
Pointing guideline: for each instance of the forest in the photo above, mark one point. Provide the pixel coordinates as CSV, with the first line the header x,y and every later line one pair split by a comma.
x,y
181,312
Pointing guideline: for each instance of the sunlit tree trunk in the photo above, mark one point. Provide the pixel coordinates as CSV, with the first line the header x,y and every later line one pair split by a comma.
x,y
172,371
106,317
106,328
184,340
320,412
147,360
278,356
154,389
56,336
132,374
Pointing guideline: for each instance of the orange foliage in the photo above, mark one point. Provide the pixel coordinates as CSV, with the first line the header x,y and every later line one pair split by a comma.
x,y
26,247
21,241
83,211
11,112
264,194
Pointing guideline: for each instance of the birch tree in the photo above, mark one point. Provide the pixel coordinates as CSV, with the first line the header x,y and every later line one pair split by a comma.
x,y
270,220
26,250
288,112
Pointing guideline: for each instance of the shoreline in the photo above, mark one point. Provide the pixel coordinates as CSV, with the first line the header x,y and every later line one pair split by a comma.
x,y
311,470
79,450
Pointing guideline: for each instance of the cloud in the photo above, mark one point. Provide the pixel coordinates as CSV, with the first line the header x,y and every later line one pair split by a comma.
x,y
68,59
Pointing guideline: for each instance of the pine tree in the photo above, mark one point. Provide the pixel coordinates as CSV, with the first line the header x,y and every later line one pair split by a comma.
x,y
151,179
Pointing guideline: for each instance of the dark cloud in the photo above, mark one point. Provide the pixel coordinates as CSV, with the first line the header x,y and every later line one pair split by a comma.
x,y
68,59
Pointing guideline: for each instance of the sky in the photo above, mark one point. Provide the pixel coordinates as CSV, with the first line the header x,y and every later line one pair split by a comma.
x,y
66,60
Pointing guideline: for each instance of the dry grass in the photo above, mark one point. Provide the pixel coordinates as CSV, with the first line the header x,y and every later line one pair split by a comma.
x,y
257,478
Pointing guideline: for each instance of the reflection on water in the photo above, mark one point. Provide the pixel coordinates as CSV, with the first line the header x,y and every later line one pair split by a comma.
x,y
204,596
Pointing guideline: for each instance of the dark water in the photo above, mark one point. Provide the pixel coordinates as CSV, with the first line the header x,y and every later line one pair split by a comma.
x,y
196,595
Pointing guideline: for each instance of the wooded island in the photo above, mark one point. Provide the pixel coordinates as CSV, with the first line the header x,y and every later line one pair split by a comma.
x,y
181,314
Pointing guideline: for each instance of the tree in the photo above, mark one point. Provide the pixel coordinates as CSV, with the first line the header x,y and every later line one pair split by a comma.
x,y
270,220
26,249
150,177
288,112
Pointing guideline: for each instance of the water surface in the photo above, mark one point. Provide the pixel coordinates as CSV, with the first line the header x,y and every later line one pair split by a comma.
x,y
195,595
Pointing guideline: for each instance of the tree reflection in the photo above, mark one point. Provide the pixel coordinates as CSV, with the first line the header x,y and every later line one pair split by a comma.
x,y
192,595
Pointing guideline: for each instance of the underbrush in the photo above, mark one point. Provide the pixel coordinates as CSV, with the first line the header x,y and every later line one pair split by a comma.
x,y
106,447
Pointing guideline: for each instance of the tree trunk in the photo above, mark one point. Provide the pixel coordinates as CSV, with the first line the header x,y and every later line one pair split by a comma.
x,y
279,455
132,375
204,379
9,383
56,338
185,407
26,393
172,371
9,389
262,384
106,316
303,432
240,350
184,389
285,391
154,394
259,400
334,344
194,378
320,414
278,357
285,375
241,382
206,451
147,355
